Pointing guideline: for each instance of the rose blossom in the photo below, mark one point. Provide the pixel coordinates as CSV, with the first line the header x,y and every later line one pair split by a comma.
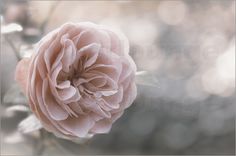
x,y
79,80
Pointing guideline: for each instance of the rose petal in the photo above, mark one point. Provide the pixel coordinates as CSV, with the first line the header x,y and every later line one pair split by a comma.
x,y
102,126
42,113
115,99
78,126
92,35
90,104
90,53
117,115
110,70
67,93
76,107
53,108
55,74
63,85
58,99
21,73
69,55
129,98
50,54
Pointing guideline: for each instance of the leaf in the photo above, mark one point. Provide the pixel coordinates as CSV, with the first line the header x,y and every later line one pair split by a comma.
x,y
30,124
11,28
11,111
146,78
15,108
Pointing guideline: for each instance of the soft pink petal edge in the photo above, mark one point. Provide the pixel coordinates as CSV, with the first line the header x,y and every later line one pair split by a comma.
x,y
21,73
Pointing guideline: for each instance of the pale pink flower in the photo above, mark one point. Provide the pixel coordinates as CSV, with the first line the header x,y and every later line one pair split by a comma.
x,y
79,80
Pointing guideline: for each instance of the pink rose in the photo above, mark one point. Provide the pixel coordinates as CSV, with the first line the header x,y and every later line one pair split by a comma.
x,y
80,80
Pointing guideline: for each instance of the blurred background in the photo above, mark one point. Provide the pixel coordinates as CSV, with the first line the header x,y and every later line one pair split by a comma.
x,y
188,46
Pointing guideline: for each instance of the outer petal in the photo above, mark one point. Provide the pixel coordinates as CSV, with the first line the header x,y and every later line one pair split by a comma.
x,y
102,126
21,73
78,126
